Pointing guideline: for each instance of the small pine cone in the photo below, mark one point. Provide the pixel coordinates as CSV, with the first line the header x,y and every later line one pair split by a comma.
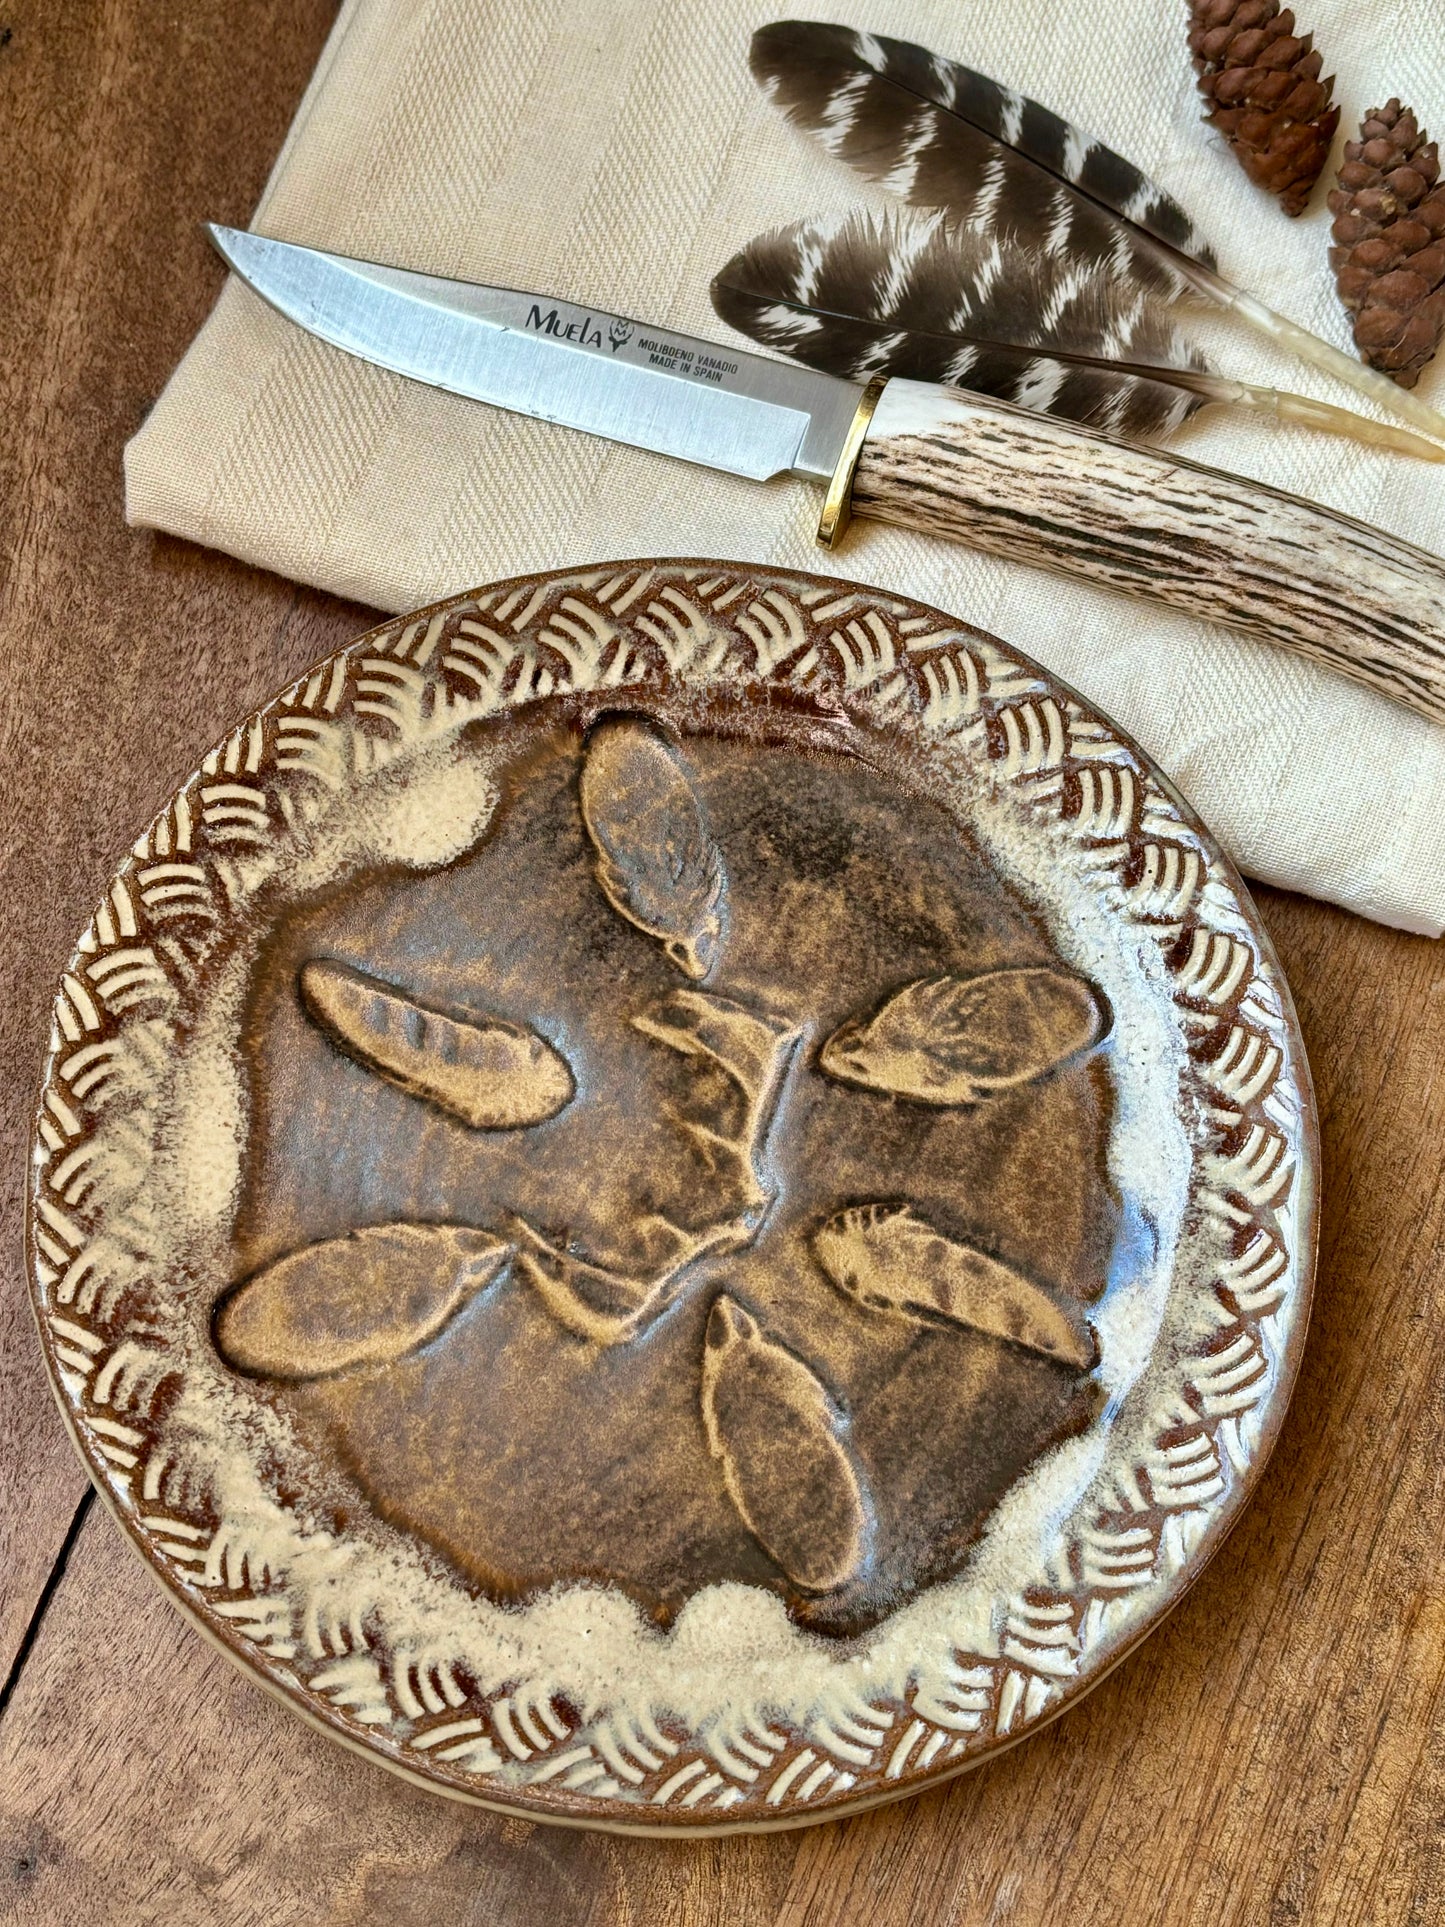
x,y
1389,227
1265,93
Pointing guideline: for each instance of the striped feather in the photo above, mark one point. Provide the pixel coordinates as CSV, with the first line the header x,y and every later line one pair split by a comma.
x,y
792,59
938,134
917,295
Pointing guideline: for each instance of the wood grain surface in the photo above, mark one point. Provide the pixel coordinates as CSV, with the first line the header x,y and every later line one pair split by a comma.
x,y
1274,1755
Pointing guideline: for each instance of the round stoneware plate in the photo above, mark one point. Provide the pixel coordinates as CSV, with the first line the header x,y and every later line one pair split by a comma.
x,y
675,1196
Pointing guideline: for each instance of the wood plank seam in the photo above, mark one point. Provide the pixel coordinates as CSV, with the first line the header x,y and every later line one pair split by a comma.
x,y
47,1593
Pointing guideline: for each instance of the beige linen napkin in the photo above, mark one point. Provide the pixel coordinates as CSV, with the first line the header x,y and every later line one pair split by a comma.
x,y
617,152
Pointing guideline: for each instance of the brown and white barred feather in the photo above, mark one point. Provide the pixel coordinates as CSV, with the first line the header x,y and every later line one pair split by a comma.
x,y
919,295
938,134
941,135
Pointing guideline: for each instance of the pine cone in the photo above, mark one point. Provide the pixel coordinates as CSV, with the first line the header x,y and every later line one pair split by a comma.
x,y
1265,93
1389,211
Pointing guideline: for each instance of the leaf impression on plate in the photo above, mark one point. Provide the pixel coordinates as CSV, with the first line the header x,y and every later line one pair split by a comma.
x,y
890,1260
657,863
365,1299
788,1470
492,1074
955,1040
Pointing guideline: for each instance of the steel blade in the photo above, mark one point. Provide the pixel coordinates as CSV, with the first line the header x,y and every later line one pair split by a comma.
x,y
607,375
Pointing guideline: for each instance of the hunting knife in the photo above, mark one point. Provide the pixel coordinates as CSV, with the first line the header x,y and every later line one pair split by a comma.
x,y
987,473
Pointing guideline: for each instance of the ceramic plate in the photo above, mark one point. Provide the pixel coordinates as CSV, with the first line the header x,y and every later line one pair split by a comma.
x,y
675,1196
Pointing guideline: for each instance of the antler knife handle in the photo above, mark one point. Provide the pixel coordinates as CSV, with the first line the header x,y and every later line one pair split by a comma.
x,y
1151,524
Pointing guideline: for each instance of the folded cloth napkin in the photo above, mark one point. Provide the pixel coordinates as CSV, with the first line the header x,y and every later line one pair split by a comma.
x,y
617,152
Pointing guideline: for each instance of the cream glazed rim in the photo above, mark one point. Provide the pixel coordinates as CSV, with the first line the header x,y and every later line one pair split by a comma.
x,y
569,1707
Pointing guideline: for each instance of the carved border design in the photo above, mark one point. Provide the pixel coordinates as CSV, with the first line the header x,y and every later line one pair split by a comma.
x,y
886,661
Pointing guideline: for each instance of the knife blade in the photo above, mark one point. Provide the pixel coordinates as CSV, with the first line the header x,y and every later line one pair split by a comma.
x,y
999,478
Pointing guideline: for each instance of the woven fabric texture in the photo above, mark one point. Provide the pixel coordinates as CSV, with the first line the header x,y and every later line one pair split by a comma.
x,y
617,153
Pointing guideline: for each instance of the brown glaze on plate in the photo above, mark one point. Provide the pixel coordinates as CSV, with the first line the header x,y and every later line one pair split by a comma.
x,y
675,1196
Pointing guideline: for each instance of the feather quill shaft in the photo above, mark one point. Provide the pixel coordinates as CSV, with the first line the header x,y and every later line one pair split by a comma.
x,y
916,295
938,134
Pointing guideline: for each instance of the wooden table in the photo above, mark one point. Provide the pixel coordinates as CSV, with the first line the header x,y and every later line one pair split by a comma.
x,y
1274,1755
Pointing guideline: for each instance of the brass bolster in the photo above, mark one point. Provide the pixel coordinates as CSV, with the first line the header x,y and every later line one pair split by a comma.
x,y
838,502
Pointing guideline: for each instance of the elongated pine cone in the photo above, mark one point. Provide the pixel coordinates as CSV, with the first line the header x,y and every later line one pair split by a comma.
x,y
1389,227
1265,95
